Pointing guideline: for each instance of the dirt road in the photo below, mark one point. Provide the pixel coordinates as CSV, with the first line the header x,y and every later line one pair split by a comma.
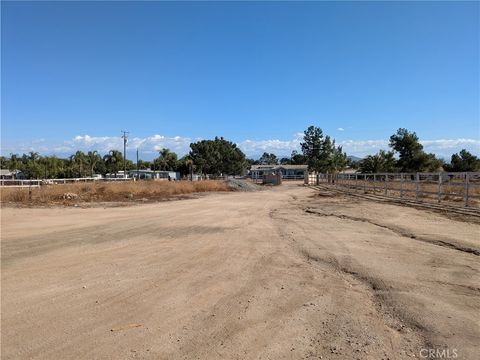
x,y
286,273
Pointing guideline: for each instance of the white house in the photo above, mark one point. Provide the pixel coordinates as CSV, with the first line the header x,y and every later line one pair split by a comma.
x,y
289,172
6,174
157,175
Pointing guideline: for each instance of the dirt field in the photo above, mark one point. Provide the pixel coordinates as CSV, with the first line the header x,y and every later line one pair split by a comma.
x,y
286,273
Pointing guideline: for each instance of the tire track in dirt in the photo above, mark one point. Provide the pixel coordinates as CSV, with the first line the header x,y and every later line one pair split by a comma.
x,y
399,231
381,294
429,302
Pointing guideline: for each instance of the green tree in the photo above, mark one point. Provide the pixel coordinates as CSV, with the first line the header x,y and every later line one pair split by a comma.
x,y
79,164
268,159
297,159
464,161
320,152
353,163
4,163
59,167
113,161
218,156
410,151
52,167
31,165
92,159
167,161
143,164
412,158
334,159
312,148
339,159
185,166
285,161
251,162
383,161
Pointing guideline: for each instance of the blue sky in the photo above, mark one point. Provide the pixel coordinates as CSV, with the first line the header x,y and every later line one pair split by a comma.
x,y
74,74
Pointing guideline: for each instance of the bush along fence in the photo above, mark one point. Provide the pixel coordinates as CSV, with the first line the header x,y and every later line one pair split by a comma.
x,y
451,188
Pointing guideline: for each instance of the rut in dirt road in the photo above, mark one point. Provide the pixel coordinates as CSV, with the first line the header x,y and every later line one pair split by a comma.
x,y
399,231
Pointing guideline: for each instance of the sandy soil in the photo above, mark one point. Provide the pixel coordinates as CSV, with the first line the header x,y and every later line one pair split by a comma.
x,y
287,273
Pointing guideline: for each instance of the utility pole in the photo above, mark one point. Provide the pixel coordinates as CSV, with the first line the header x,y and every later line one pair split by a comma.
x,y
125,138
138,177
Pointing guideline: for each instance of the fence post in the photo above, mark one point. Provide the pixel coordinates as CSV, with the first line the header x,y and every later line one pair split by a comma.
x,y
386,184
467,183
364,183
417,179
374,184
401,186
439,188
356,182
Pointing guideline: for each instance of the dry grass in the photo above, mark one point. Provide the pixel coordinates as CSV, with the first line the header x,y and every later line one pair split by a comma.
x,y
107,192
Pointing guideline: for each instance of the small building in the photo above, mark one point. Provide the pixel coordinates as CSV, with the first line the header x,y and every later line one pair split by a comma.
x,y
288,172
117,175
147,174
349,171
6,174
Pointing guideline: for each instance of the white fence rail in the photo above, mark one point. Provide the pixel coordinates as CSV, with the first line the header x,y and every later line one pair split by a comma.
x,y
37,183
456,189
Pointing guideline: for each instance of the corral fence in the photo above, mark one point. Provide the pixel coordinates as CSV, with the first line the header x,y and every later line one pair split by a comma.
x,y
461,189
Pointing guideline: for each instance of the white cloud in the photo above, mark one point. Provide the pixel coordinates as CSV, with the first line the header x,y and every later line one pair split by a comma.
x,y
104,144
149,146
451,143
363,147
340,129
440,147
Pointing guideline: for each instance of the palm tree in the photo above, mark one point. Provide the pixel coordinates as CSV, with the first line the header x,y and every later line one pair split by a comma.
x,y
13,162
32,161
113,160
189,163
93,158
79,159
167,159
33,156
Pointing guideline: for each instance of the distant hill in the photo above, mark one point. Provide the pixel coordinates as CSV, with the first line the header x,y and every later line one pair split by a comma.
x,y
354,158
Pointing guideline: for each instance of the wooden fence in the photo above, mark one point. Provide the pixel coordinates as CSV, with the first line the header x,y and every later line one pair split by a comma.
x,y
452,188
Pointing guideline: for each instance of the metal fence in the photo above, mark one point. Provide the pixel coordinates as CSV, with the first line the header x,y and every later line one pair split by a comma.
x,y
259,178
455,189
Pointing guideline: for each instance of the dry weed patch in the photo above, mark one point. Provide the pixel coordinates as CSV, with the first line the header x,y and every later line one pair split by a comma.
x,y
106,192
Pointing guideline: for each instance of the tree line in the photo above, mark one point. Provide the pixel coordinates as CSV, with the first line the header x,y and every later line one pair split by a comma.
x,y
215,157
407,155
223,157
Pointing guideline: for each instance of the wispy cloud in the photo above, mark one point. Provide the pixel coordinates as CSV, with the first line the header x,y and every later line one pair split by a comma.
x,y
340,129
149,146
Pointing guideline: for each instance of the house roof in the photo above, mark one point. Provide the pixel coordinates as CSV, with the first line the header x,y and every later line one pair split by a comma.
x,y
6,172
278,167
